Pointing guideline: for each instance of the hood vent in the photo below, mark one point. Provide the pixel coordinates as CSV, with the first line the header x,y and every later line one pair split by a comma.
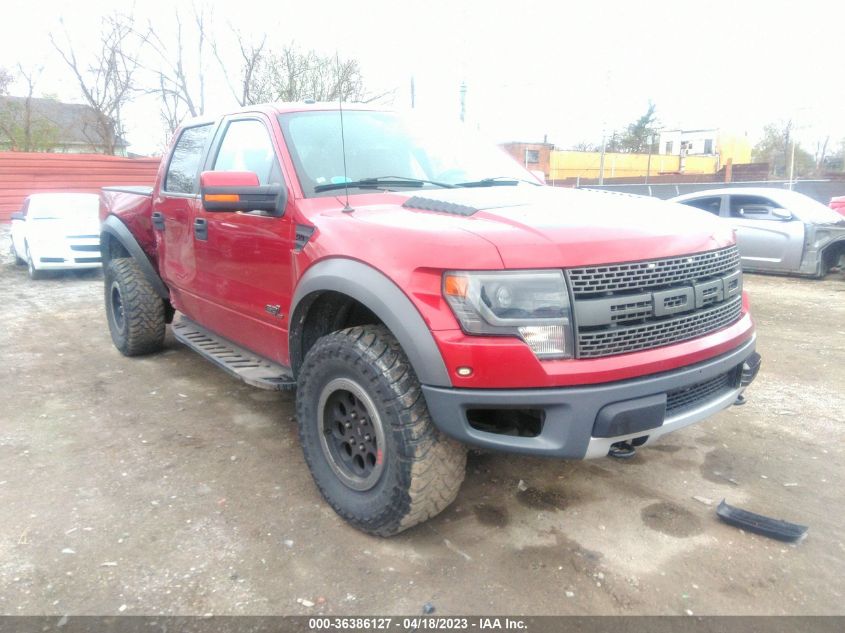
x,y
441,206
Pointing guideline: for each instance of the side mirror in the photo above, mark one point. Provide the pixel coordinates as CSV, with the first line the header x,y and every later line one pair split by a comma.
x,y
18,215
782,214
755,211
240,191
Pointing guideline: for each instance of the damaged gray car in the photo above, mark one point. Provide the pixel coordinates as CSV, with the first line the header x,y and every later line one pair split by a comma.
x,y
778,231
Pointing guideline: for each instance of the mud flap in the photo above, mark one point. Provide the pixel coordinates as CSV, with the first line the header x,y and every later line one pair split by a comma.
x,y
759,524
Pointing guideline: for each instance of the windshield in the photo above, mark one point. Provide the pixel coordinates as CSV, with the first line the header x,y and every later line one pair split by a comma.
x,y
391,147
64,207
807,209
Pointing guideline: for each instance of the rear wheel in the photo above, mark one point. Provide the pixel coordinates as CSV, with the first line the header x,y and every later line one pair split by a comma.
x,y
136,314
372,448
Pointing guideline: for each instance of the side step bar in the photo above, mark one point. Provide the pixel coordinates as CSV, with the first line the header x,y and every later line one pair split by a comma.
x,y
251,368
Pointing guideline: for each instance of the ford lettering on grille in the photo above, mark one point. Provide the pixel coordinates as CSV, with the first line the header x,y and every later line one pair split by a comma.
x,y
622,308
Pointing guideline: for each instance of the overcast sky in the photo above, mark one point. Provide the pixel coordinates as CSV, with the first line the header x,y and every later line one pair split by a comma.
x,y
560,69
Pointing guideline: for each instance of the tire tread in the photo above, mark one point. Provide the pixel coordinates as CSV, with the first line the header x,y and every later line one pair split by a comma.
x,y
433,465
142,307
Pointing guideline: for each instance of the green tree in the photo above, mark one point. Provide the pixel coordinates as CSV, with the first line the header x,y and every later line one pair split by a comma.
x,y
775,148
637,137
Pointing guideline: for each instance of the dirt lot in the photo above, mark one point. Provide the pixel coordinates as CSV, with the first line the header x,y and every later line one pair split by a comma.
x,y
162,485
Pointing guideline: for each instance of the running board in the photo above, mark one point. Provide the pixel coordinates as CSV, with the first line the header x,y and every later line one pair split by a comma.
x,y
251,368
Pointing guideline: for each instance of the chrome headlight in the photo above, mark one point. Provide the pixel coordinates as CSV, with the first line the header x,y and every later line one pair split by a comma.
x,y
530,304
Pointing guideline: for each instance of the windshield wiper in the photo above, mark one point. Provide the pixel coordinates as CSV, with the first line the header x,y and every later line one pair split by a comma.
x,y
381,182
496,181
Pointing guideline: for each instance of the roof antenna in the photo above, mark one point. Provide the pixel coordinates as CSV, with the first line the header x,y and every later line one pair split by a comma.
x,y
346,208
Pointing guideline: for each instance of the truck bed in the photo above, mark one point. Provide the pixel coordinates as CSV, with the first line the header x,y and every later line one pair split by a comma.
x,y
138,190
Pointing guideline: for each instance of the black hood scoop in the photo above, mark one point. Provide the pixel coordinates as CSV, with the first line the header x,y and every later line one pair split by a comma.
x,y
467,202
442,206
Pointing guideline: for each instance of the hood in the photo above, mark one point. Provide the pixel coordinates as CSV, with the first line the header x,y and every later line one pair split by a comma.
x,y
62,227
547,226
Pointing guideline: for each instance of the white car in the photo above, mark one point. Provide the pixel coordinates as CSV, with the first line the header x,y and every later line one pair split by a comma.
x,y
57,231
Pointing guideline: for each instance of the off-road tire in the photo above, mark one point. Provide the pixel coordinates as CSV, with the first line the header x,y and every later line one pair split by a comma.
x,y
422,468
140,328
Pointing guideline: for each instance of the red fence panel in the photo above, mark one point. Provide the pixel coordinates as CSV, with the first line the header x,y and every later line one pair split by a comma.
x,y
23,173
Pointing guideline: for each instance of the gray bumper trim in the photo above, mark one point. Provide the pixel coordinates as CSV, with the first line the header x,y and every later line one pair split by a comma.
x,y
570,412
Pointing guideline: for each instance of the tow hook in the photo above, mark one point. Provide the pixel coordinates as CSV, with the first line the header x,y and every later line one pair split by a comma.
x,y
749,372
749,369
622,450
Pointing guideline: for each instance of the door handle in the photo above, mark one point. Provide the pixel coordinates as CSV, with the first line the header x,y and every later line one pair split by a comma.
x,y
201,228
158,220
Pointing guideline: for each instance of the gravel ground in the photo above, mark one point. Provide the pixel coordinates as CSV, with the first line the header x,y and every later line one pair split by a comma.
x,y
163,486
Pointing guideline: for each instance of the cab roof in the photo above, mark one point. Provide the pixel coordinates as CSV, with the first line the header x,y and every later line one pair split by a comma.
x,y
281,107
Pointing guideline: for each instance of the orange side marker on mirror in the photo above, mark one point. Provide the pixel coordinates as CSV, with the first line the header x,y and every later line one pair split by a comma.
x,y
222,197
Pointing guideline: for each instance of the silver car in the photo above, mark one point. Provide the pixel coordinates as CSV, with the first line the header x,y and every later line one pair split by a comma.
x,y
778,231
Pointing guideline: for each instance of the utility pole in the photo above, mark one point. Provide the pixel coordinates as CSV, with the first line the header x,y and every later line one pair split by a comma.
x,y
601,160
793,128
792,165
648,166
413,93
463,100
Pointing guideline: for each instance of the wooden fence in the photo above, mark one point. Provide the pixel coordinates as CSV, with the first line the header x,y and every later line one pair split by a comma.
x,y
23,173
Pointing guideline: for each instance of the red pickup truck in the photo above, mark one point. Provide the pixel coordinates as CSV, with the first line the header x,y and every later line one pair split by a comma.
x,y
423,292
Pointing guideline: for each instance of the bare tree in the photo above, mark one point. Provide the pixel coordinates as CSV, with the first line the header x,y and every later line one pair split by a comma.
x,y
775,148
294,75
6,79
182,88
252,56
821,153
107,79
291,74
25,129
585,146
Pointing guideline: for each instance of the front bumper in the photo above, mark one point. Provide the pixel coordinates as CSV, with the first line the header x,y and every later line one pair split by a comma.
x,y
583,422
73,254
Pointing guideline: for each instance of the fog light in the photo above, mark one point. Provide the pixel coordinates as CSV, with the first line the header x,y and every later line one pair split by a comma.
x,y
545,340
463,372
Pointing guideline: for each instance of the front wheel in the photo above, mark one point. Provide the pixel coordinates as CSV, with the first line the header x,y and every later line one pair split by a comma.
x,y
19,261
136,314
367,436
34,273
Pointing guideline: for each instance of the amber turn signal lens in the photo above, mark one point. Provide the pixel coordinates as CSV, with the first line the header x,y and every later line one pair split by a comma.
x,y
222,197
455,285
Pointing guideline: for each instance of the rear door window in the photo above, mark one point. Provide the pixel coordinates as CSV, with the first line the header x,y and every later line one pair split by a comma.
x,y
183,171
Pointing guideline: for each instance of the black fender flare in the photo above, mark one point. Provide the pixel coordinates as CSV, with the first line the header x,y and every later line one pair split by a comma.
x,y
384,298
113,229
